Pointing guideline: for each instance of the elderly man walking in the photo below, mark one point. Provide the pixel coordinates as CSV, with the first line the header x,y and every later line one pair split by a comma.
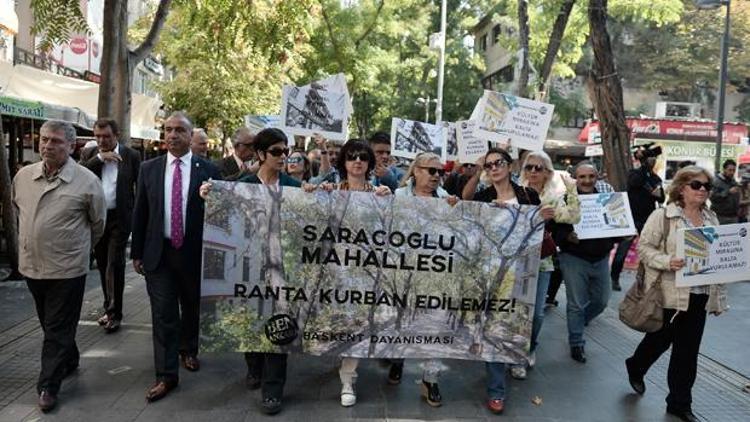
x,y
61,215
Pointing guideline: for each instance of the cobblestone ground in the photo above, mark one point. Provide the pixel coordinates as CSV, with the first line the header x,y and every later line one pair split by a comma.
x,y
116,370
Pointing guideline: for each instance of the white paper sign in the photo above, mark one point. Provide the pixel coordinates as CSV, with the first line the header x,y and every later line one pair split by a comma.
x,y
313,109
605,215
713,255
409,138
450,152
594,150
470,148
505,117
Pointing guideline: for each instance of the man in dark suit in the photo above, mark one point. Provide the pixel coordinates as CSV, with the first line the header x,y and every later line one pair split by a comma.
x,y
243,161
166,248
117,166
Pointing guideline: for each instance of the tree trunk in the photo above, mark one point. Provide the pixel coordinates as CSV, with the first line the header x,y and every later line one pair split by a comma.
x,y
10,221
523,38
605,91
555,40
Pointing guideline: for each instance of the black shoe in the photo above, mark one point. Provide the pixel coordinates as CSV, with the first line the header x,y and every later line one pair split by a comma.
x,y
270,405
636,381
578,354
47,400
431,393
251,381
684,415
616,286
394,375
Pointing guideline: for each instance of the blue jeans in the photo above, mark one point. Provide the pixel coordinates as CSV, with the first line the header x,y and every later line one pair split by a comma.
x,y
587,287
542,285
495,380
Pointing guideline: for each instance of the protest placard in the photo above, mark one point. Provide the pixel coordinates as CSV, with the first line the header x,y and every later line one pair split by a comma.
x,y
470,148
594,150
451,142
504,117
713,255
605,215
353,274
313,109
409,138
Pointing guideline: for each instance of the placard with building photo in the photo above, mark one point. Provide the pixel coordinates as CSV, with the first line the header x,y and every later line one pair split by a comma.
x,y
313,109
409,138
504,117
713,255
451,141
605,215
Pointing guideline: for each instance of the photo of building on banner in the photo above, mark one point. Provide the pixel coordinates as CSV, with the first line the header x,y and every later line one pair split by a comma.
x,y
504,117
605,215
451,142
353,274
713,255
313,109
409,138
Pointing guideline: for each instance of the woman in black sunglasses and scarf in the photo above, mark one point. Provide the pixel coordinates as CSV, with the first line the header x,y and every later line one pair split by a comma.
x,y
496,164
267,370
356,162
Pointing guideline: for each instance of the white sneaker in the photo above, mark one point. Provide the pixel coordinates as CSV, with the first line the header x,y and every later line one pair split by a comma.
x,y
348,396
532,359
518,372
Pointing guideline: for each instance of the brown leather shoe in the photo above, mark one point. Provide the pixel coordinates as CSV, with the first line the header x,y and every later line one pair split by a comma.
x,y
47,401
103,320
496,405
159,390
112,326
191,363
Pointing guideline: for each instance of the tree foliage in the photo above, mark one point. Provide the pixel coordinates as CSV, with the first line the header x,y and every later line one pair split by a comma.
x,y
56,20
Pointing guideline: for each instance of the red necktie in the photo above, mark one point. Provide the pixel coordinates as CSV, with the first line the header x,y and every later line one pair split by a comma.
x,y
177,235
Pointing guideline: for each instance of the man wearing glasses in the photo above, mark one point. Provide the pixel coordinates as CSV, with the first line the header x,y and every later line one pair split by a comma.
x,y
243,161
384,174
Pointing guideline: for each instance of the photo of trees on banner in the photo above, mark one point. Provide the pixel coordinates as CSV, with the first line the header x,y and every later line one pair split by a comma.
x,y
353,274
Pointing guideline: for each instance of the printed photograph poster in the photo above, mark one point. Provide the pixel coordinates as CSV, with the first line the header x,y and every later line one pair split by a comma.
x,y
353,274
410,137
713,255
337,83
507,118
451,141
313,109
470,148
605,215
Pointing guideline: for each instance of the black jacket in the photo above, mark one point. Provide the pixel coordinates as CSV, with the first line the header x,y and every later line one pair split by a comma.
x,y
642,203
525,196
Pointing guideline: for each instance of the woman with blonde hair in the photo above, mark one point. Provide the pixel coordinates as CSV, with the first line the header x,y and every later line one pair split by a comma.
x,y
684,307
562,206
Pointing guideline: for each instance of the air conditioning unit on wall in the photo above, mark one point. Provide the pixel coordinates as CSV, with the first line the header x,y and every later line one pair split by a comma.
x,y
672,110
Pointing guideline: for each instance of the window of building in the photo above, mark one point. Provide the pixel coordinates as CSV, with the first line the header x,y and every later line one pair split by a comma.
x,y
245,268
219,218
483,42
496,33
213,263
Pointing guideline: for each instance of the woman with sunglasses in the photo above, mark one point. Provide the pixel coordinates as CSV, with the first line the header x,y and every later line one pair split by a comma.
x,y
496,164
423,179
560,204
298,166
356,162
684,307
266,370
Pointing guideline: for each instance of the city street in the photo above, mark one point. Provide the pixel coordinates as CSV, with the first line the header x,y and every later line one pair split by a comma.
x,y
116,370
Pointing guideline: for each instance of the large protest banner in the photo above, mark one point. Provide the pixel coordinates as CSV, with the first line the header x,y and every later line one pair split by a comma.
x,y
713,255
352,274
605,215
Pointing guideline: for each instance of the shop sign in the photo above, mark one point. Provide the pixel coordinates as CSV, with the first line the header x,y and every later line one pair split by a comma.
x,y
22,108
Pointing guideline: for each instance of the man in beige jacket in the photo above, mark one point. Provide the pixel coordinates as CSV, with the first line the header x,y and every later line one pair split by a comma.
x,y
61,213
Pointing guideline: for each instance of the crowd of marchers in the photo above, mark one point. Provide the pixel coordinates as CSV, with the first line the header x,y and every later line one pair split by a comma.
x,y
67,209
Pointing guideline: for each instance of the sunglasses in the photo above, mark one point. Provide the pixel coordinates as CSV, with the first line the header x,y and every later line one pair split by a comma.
x,y
433,171
697,185
294,160
499,163
278,152
354,156
534,167
468,165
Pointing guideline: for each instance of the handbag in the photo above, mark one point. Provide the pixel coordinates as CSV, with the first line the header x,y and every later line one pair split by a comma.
x,y
642,307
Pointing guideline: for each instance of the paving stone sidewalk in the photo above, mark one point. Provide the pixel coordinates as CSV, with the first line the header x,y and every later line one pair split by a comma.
x,y
116,370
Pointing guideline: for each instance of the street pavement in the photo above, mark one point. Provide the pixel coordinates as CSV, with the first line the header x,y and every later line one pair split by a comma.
x,y
116,370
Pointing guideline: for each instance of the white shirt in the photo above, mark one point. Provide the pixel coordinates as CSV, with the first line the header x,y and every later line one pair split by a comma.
x,y
168,174
242,164
109,179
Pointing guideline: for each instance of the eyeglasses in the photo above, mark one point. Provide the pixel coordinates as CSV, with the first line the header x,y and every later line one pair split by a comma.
x,y
354,156
499,163
468,165
433,171
278,152
534,167
294,160
697,185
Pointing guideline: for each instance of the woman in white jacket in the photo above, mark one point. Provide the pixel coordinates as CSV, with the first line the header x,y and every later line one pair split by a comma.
x,y
684,307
